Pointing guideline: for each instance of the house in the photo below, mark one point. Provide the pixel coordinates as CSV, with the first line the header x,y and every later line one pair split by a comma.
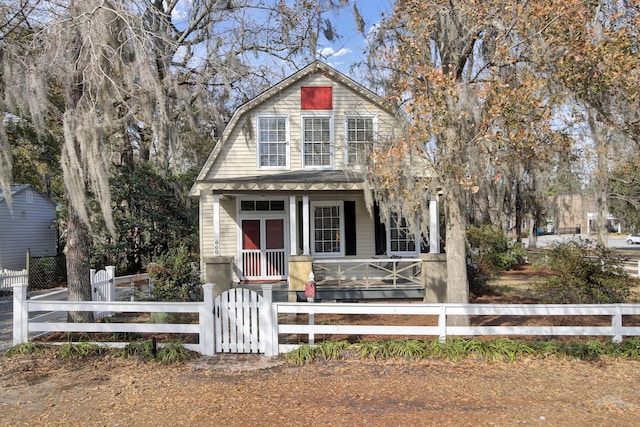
x,y
26,224
282,193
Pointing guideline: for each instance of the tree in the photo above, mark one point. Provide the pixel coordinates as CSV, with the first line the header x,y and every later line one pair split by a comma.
x,y
123,70
594,60
465,74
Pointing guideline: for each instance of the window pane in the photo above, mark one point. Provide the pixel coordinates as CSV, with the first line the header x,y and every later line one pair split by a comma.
x,y
272,140
327,229
400,237
359,138
317,141
247,205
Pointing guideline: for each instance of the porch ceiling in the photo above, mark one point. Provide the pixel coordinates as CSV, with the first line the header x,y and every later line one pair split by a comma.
x,y
308,180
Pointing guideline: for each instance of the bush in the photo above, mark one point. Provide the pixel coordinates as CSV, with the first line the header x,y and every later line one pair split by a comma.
x,y
489,251
585,272
174,276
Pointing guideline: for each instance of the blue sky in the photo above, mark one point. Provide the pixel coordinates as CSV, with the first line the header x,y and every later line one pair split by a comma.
x,y
350,48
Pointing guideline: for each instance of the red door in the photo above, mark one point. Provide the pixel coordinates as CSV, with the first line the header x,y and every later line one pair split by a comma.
x,y
263,249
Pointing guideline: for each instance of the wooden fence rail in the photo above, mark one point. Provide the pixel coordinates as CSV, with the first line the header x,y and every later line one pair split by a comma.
x,y
444,320
444,313
23,326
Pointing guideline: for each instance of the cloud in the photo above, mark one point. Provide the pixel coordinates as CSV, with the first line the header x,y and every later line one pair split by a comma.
x,y
331,52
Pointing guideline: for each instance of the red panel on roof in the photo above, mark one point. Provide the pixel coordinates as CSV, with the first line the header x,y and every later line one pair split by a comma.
x,y
316,98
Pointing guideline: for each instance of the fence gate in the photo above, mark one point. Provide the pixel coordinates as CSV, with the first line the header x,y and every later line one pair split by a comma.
x,y
237,321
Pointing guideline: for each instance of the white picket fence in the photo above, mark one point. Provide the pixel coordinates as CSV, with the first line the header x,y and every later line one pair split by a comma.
x,y
442,314
274,317
632,267
8,278
23,327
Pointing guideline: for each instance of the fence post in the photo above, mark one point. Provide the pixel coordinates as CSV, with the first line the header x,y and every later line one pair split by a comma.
x,y
207,328
442,324
111,293
266,322
20,314
616,324
92,281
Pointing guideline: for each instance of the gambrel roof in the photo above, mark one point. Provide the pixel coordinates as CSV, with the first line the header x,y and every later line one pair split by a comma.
x,y
346,180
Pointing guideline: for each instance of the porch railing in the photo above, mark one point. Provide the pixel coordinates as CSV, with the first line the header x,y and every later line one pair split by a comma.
x,y
372,272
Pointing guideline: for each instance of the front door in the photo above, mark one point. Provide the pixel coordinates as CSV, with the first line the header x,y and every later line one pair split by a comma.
x,y
263,249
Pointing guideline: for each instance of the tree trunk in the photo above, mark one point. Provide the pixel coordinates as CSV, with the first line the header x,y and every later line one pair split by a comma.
x,y
456,226
533,232
78,269
601,175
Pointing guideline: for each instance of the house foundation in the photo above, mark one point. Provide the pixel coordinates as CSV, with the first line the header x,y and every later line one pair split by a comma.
x,y
217,270
434,277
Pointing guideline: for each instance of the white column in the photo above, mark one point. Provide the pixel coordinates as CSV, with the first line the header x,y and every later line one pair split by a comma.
x,y
434,226
293,226
207,318
216,224
20,314
305,225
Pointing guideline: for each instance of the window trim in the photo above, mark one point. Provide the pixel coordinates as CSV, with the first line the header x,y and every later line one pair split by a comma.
x,y
312,227
416,243
332,152
346,135
287,144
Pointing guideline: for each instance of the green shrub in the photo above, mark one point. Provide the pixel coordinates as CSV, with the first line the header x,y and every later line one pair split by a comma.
x,y
585,272
25,349
489,251
172,352
175,277
78,351
457,349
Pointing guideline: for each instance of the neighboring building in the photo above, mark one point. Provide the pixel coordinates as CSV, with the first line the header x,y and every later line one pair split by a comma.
x,y
578,214
27,224
284,184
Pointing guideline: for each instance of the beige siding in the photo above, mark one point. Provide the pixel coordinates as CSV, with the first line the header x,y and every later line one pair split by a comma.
x,y
228,234
238,156
365,232
227,227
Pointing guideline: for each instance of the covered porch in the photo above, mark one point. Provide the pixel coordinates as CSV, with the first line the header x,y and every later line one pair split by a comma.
x,y
287,225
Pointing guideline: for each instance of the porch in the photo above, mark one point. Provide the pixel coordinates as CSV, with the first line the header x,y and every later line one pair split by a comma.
x,y
351,279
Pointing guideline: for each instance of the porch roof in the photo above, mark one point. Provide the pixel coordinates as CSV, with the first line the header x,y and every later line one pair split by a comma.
x,y
305,180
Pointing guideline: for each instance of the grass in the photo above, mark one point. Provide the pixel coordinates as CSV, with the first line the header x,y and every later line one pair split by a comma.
x,y
500,349
147,350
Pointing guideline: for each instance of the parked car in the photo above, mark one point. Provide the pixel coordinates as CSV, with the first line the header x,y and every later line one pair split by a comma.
x,y
633,238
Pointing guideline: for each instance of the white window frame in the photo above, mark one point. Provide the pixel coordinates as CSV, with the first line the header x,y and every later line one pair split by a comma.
x,y
340,206
416,243
374,118
286,143
331,164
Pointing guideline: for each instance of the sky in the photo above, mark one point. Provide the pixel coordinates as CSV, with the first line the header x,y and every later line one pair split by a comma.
x,y
351,46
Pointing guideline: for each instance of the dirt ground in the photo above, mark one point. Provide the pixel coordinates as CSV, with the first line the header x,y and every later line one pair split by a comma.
x,y
116,392
108,391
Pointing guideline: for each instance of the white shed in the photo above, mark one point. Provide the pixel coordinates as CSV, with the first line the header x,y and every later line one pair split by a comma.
x,y
26,224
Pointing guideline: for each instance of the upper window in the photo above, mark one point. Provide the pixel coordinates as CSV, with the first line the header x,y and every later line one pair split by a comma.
x,y
360,131
401,240
273,137
328,228
316,98
317,141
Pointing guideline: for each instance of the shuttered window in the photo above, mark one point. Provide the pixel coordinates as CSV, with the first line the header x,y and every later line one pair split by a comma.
x,y
316,98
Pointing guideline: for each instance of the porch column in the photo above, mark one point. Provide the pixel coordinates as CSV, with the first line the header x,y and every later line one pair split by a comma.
x,y
293,226
305,226
216,224
434,226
